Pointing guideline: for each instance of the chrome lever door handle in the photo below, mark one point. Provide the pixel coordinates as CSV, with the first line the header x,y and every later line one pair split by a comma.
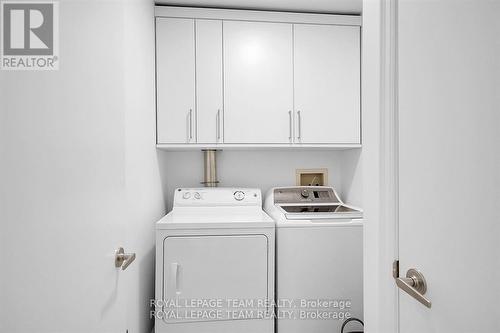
x,y
123,259
414,285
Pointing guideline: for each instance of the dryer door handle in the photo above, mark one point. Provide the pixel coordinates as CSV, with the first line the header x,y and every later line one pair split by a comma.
x,y
174,276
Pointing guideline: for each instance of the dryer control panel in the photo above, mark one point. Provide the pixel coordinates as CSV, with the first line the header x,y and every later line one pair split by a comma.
x,y
217,196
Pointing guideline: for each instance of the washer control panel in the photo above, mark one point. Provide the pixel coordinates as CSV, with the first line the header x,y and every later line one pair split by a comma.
x,y
217,196
305,194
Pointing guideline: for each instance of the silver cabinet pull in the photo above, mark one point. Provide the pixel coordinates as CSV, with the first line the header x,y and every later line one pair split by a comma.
x,y
222,125
290,125
190,116
217,119
299,119
123,259
414,285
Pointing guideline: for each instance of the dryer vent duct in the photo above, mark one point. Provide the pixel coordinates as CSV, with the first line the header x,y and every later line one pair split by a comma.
x,y
210,168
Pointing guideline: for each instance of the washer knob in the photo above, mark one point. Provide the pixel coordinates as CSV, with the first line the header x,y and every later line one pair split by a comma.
x,y
186,195
239,195
197,195
304,194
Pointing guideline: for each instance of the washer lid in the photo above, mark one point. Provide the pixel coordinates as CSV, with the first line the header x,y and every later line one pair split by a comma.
x,y
320,212
312,203
306,209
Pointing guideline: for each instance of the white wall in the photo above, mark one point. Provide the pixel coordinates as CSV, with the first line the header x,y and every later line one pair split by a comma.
x,y
264,169
79,176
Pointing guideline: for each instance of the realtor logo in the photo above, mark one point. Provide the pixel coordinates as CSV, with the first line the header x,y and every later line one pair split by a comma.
x,y
30,35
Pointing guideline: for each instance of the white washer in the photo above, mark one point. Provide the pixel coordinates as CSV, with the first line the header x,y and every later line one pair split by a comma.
x,y
215,247
319,257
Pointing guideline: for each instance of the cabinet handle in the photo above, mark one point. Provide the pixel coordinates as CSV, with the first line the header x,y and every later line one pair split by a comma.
x,y
290,126
190,115
299,118
218,124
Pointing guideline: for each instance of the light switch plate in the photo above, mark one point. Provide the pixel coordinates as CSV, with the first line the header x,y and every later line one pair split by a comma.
x,y
311,177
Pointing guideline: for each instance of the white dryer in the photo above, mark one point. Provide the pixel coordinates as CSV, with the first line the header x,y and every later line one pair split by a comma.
x,y
319,259
215,263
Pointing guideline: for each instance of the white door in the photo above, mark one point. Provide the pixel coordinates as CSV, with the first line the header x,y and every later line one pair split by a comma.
x,y
175,80
327,83
258,82
449,162
209,81
90,184
226,267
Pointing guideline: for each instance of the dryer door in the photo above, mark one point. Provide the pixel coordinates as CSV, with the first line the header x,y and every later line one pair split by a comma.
x,y
203,275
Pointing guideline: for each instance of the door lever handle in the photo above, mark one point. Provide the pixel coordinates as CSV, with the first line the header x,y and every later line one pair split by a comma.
x,y
123,259
414,285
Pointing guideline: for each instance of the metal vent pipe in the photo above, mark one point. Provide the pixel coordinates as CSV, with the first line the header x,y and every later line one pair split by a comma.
x,y
210,168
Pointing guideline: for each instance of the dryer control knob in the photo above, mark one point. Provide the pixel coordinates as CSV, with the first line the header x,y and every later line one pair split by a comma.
x,y
197,195
239,195
186,195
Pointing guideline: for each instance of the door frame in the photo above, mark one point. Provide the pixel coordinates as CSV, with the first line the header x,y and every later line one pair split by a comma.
x,y
380,164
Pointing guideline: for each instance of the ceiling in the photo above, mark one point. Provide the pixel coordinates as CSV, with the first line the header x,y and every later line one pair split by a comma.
x,y
313,6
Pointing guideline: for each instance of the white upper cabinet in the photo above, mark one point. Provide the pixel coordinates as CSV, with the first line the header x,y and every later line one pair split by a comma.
x,y
209,109
175,80
258,82
327,84
231,78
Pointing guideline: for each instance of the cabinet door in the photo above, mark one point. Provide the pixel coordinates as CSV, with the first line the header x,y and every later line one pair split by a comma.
x,y
258,82
175,80
209,81
327,83
232,267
